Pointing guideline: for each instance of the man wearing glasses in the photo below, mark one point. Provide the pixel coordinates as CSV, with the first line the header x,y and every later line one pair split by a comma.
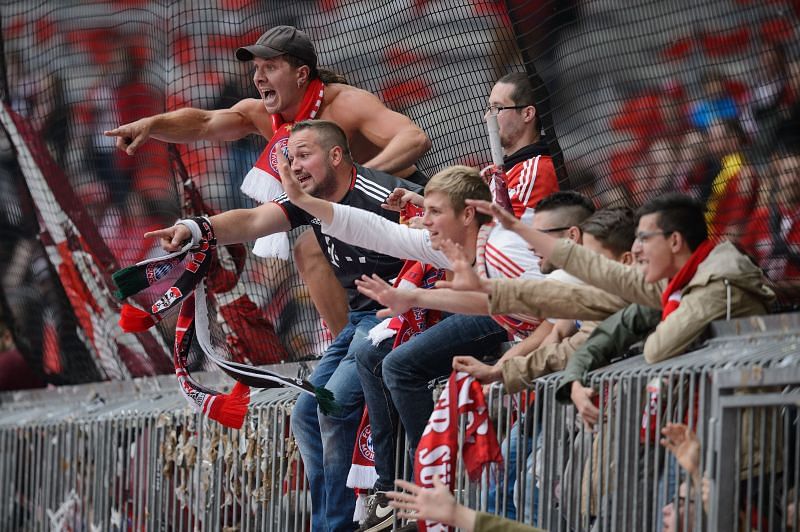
x,y
528,168
687,282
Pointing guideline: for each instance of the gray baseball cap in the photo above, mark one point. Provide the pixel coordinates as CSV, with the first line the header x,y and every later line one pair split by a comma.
x,y
280,40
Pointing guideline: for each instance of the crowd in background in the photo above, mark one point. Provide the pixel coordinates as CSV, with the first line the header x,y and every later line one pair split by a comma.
x,y
108,76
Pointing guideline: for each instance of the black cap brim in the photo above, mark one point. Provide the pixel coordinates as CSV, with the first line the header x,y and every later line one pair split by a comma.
x,y
247,53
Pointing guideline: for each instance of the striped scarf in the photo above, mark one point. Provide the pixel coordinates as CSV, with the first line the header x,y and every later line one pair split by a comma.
x,y
513,323
189,292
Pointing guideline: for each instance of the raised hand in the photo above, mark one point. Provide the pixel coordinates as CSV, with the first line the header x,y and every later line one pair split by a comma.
x,y
130,136
541,242
425,504
582,397
464,277
399,198
396,301
288,180
683,444
483,373
508,220
171,238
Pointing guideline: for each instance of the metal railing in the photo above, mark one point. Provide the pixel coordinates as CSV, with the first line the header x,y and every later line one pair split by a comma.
x,y
133,456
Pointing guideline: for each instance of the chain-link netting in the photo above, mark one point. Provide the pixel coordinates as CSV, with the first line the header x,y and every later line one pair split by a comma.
x,y
635,98
74,70
699,97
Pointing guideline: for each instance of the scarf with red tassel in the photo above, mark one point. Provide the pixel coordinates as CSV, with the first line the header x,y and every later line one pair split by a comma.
x,y
227,409
263,181
438,447
671,298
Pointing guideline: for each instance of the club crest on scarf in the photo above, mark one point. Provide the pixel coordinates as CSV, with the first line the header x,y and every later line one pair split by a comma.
x,y
156,272
227,409
364,443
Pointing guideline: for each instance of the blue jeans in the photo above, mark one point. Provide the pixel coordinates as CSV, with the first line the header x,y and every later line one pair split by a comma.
x,y
382,413
409,368
326,442
530,502
511,446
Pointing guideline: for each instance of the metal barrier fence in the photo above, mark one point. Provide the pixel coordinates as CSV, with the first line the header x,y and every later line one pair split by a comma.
x,y
133,457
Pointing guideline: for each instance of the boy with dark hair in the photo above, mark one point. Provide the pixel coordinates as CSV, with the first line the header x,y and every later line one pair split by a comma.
x,y
608,232
699,281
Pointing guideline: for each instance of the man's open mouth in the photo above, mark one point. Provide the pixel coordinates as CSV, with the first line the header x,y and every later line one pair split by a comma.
x,y
269,96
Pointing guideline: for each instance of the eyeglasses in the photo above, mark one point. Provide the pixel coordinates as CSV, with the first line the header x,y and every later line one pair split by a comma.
x,y
554,229
644,236
494,110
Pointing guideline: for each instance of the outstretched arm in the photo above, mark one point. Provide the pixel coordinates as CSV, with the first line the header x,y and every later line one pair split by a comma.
x,y
541,242
431,504
685,446
398,301
188,125
239,225
464,276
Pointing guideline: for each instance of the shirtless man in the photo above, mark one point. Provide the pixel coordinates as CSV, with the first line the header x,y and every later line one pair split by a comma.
x,y
292,88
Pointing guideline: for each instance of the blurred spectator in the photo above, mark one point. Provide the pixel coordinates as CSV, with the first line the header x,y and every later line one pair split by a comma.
x,y
771,94
100,151
241,153
22,88
789,128
772,236
732,193
15,373
51,117
148,169
716,103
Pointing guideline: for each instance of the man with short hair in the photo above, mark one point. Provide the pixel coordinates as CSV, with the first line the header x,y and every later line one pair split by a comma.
x,y
699,281
427,355
293,88
559,214
528,167
321,164
609,232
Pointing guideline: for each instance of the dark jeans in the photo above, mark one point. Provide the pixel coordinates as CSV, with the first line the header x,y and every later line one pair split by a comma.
x,y
326,441
396,381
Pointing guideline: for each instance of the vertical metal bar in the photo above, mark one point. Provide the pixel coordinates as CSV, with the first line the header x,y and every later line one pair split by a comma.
x,y
749,439
796,479
5,473
774,420
604,435
760,414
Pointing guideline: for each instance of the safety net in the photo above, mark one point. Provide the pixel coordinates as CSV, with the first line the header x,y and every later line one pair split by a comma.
x,y
636,99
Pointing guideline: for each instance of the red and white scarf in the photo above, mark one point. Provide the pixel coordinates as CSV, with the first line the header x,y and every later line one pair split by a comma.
x,y
438,447
671,298
515,324
362,475
263,181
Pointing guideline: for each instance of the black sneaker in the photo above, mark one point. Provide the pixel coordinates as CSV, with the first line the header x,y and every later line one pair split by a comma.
x,y
380,515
